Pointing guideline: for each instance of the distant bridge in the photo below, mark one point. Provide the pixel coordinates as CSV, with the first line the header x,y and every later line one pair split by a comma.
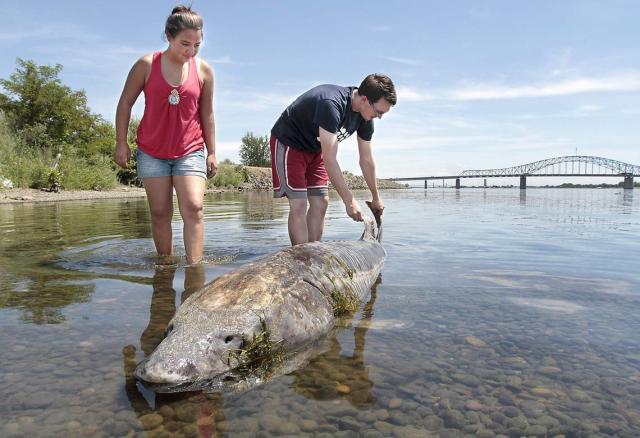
x,y
573,165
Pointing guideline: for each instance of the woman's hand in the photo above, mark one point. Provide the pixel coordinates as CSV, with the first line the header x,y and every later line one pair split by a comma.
x,y
212,165
122,154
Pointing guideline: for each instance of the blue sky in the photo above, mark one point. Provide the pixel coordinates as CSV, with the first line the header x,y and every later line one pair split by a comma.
x,y
481,84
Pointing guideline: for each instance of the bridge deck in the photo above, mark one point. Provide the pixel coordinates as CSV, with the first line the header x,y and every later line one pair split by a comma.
x,y
420,178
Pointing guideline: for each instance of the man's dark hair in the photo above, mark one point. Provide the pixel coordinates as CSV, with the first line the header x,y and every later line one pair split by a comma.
x,y
377,86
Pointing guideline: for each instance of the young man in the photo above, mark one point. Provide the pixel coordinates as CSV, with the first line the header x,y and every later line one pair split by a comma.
x,y
304,147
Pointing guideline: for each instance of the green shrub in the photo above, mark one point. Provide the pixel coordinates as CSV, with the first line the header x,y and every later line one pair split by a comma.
x,y
39,176
92,173
229,175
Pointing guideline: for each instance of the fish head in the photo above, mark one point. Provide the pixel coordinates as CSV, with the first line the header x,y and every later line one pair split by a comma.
x,y
202,346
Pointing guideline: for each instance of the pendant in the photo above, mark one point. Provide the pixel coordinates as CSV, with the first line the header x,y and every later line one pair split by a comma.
x,y
174,97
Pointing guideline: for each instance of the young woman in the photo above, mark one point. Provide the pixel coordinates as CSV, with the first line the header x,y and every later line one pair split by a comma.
x,y
178,122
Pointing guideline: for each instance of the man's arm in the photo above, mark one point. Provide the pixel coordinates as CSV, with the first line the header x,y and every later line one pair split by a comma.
x,y
368,167
329,144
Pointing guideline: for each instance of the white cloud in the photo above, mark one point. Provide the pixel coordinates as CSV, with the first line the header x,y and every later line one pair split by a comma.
x,y
627,81
591,108
250,101
405,61
47,33
579,112
222,60
20,36
413,95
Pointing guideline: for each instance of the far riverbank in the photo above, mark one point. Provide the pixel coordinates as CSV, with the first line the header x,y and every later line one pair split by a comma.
x,y
258,179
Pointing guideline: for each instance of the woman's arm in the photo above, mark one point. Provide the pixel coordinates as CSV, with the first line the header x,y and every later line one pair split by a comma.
x,y
207,118
132,89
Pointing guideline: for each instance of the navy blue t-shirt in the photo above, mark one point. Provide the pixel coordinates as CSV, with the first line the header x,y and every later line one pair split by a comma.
x,y
328,106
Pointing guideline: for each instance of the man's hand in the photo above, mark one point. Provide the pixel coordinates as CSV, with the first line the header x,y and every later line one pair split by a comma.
x,y
122,154
353,210
212,165
377,206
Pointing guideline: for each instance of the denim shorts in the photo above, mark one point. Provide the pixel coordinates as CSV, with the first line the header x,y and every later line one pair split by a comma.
x,y
193,164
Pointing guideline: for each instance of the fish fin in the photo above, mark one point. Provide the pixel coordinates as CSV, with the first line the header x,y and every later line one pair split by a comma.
x,y
377,215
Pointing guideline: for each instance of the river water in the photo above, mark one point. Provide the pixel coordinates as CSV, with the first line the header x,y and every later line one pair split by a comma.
x,y
497,312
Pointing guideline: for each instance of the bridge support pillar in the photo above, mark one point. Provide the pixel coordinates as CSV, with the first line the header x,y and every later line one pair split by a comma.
x,y
485,183
426,184
457,183
628,182
523,182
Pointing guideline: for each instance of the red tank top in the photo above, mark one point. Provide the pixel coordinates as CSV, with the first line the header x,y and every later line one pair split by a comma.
x,y
170,127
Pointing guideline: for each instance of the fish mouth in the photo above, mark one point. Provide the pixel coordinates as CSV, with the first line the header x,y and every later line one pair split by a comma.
x,y
154,374
231,380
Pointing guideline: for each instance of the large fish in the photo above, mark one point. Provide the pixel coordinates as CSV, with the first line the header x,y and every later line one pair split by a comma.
x,y
252,319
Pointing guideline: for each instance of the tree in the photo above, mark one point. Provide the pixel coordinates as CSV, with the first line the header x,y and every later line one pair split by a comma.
x,y
254,151
43,112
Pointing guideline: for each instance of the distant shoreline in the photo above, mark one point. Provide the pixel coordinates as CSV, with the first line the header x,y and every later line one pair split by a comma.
x,y
25,196
18,196
259,179
563,186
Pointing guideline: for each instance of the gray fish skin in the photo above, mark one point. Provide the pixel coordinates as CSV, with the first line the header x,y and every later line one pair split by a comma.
x,y
288,292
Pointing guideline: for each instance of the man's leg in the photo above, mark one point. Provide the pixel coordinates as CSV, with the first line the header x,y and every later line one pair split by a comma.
x,y
190,191
315,216
298,232
318,192
288,167
160,197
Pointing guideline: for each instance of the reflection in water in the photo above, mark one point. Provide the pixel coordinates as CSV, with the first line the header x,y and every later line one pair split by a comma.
x,y
33,236
163,301
523,197
255,209
161,310
185,413
333,375
41,294
189,414
627,201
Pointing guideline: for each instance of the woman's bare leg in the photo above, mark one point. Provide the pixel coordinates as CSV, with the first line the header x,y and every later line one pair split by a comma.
x,y
190,191
160,198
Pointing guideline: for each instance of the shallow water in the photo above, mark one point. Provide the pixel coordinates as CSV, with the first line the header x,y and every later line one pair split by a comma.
x,y
497,312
